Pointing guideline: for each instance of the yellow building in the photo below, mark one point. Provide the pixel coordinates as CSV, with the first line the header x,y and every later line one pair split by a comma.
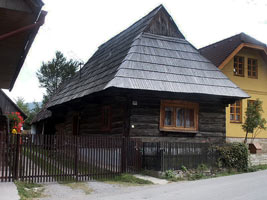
x,y
244,60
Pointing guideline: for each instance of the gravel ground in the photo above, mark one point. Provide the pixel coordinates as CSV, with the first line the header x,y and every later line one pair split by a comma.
x,y
55,191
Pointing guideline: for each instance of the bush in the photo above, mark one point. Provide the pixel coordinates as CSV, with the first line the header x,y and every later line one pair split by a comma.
x,y
169,174
234,155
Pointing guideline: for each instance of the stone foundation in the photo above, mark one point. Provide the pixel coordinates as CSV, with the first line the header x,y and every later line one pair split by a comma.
x,y
255,159
262,142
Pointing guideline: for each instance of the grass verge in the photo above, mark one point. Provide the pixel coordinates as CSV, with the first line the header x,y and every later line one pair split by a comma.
x,y
197,174
29,191
78,186
127,179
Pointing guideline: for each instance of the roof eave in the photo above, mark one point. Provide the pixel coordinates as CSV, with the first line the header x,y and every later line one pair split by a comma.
x,y
237,49
28,45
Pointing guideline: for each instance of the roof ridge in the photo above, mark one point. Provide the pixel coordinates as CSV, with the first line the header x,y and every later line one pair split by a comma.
x,y
120,33
213,44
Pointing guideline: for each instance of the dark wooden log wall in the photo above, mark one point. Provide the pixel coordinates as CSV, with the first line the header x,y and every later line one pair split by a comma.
x,y
90,118
142,120
145,118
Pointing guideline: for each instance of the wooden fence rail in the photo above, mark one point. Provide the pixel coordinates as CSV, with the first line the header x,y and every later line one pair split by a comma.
x,y
46,158
173,155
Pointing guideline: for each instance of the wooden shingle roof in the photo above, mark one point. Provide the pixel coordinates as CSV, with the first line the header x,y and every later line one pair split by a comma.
x,y
152,54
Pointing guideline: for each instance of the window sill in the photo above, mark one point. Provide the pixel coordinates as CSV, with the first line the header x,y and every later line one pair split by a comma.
x,y
239,75
236,122
178,130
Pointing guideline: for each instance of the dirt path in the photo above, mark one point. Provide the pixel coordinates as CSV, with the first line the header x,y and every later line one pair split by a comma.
x,y
84,191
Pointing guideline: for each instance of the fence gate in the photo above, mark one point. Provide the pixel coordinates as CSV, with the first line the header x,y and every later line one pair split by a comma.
x,y
46,158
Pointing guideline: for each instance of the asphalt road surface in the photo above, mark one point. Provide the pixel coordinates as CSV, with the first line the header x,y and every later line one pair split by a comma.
x,y
250,186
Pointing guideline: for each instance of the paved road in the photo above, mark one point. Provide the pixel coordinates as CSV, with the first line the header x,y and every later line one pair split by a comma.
x,y
8,191
250,186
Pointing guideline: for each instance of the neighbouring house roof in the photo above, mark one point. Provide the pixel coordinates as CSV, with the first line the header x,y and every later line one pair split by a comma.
x,y
20,21
152,54
218,52
8,106
42,115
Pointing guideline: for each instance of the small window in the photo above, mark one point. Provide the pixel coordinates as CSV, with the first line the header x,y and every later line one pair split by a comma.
x,y
178,116
251,102
252,68
238,66
106,118
236,112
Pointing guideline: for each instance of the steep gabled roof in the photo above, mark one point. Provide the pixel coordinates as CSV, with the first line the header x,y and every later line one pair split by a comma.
x,y
218,52
8,106
152,54
42,115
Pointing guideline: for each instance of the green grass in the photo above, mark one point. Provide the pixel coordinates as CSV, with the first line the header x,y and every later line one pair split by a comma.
x,y
29,191
41,160
78,186
216,173
257,168
126,179
52,166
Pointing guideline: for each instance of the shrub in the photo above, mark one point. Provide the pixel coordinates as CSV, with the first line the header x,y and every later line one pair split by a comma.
x,y
202,167
234,155
169,174
183,168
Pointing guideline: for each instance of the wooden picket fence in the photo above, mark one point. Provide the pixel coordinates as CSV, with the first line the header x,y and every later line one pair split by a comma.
x,y
163,156
48,158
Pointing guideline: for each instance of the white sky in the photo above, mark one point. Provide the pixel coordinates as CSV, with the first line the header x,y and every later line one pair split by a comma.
x,y
78,27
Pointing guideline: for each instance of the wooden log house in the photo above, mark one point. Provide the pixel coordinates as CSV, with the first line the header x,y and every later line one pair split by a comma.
x,y
147,82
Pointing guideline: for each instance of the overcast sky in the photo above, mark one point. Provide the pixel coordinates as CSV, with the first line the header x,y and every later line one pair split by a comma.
x,y
78,27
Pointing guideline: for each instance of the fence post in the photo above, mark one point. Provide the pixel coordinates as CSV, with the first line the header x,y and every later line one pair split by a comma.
x,y
16,167
162,160
76,157
123,155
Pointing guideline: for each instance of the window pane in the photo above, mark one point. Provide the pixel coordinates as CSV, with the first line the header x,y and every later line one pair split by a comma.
x,y
237,117
237,110
180,117
168,121
232,109
189,114
237,103
232,117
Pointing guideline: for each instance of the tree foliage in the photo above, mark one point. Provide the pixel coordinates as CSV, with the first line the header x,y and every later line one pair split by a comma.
x,y
22,105
254,122
53,73
30,113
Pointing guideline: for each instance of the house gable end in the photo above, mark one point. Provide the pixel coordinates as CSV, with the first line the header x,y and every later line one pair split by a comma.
x,y
163,24
239,48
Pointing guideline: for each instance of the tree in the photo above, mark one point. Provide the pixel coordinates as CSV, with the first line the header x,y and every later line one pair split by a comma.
x,y
54,72
254,122
30,113
20,101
